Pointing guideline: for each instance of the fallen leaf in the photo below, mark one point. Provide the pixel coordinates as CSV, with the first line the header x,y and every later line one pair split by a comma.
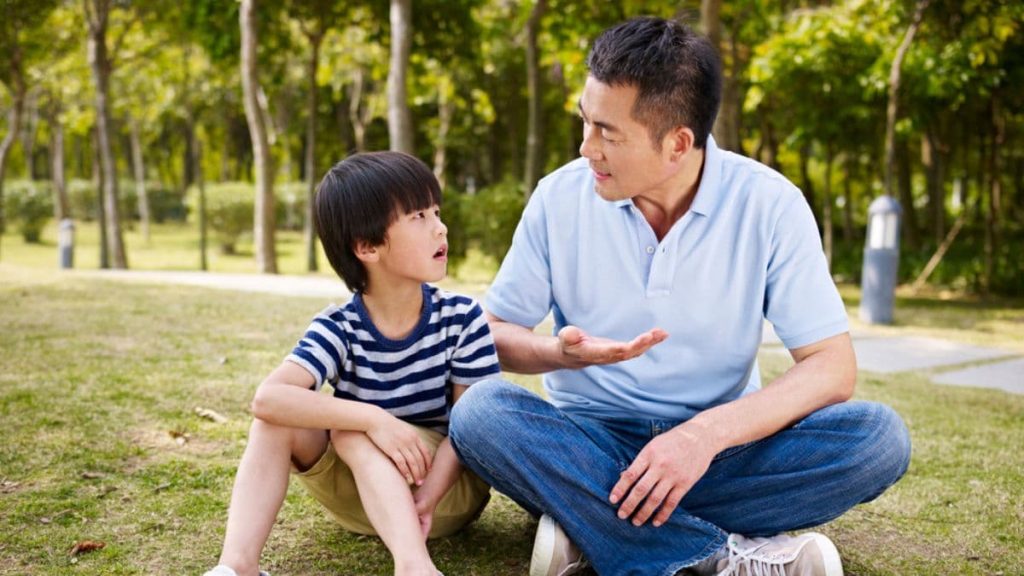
x,y
87,475
180,438
86,546
6,487
211,415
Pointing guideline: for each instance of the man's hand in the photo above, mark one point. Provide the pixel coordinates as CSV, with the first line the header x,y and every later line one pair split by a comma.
x,y
403,445
582,349
662,473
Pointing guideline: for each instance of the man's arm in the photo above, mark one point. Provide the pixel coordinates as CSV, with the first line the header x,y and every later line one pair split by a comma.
x,y
665,470
522,350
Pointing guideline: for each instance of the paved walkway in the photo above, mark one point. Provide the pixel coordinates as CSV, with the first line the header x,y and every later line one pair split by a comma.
x,y
949,363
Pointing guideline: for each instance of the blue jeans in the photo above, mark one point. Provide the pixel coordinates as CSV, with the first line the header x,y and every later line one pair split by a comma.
x,y
564,465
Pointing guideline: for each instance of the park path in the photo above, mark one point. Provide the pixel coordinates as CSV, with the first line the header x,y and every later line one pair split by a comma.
x,y
947,362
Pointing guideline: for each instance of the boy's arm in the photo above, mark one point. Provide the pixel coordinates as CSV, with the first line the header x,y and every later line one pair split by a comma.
x,y
444,473
286,398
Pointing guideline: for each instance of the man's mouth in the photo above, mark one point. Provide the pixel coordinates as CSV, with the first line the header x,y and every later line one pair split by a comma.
x,y
599,175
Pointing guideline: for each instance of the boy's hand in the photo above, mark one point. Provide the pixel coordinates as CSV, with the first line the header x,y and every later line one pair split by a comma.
x,y
401,443
424,512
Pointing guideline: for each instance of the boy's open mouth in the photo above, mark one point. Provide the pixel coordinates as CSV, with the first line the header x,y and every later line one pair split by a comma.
x,y
441,252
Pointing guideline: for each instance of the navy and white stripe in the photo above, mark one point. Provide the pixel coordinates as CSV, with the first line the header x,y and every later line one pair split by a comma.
x,y
409,378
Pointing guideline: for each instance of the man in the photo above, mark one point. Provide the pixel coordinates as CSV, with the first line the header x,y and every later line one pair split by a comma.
x,y
660,256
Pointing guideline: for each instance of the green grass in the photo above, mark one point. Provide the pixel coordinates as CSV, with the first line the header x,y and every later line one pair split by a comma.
x,y
96,377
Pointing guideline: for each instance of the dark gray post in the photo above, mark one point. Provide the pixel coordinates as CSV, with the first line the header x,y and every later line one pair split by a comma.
x,y
881,261
66,243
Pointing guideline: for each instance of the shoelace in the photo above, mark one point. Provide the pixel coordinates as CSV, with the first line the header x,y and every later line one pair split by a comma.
x,y
754,566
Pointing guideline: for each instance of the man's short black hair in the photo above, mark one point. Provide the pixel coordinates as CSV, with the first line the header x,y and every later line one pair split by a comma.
x,y
677,73
360,197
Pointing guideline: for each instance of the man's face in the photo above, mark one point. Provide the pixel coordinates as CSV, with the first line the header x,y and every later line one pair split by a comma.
x,y
621,154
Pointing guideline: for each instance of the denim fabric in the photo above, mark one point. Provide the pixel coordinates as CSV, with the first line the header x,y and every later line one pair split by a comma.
x,y
565,465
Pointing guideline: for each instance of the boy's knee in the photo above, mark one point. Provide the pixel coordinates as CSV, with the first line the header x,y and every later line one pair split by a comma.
x,y
350,444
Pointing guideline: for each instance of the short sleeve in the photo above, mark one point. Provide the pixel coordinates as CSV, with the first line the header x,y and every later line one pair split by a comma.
x,y
801,300
475,357
521,292
321,351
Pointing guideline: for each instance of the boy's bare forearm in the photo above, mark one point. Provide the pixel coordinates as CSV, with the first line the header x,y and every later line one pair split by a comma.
x,y
278,402
444,473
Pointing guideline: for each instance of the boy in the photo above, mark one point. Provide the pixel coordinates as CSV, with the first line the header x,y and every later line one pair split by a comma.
x,y
398,355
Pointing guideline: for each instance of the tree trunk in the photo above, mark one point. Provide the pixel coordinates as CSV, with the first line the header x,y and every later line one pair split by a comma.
x,y
933,166
806,183
445,108
903,181
826,207
726,129
892,109
197,162
534,135
100,63
308,233
848,159
61,206
994,195
399,115
357,113
101,209
29,129
263,225
17,89
139,169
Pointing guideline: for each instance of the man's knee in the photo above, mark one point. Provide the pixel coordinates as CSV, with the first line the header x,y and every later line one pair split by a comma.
x,y
884,447
481,405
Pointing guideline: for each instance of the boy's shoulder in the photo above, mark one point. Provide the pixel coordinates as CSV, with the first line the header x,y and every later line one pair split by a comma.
x,y
447,299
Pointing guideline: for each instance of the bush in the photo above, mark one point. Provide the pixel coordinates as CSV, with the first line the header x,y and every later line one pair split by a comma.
x,y
165,203
229,211
30,205
492,215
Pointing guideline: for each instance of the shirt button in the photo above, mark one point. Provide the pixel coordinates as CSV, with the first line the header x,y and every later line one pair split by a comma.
x,y
650,249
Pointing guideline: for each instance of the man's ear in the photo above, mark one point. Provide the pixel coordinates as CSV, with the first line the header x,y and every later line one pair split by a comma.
x,y
680,142
365,251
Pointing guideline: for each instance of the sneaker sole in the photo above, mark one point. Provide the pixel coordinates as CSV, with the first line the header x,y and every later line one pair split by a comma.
x,y
829,554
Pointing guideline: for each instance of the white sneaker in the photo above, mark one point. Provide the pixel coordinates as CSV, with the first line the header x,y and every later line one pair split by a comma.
x,y
223,570
809,554
553,553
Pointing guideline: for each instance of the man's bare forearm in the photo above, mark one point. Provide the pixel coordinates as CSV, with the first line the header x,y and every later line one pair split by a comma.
x,y
523,351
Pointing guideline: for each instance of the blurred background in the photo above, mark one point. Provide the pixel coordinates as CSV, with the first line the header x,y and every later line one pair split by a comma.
x,y
189,135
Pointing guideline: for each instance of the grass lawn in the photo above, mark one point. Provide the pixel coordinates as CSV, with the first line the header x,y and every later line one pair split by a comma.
x,y
99,382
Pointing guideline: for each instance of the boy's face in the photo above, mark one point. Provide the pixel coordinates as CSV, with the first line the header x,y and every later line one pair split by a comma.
x,y
416,247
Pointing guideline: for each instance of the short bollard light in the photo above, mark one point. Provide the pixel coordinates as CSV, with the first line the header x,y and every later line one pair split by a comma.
x,y
881,261
66,243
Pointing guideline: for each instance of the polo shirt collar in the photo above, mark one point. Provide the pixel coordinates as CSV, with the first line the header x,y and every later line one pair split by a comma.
x,y
708,193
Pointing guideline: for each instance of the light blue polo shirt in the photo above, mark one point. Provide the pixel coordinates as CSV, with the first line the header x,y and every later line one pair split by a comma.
x,y
748,249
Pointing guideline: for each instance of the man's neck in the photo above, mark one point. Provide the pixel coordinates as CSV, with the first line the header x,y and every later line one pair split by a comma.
x,y
663,208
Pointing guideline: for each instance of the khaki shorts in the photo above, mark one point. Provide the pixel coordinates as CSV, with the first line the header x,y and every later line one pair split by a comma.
x,y
330,481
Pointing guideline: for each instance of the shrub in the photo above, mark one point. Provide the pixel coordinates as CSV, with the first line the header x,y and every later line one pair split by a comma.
x,y
165,203
229,211
30,205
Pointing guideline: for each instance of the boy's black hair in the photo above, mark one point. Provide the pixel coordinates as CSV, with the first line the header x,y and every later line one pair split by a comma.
x,y
360,197
676,71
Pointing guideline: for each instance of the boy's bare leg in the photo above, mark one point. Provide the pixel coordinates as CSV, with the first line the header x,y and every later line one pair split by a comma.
x,y
260,487
387,500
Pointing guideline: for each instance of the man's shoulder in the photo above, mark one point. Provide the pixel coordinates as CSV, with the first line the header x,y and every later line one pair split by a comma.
x,y
742,169
570,177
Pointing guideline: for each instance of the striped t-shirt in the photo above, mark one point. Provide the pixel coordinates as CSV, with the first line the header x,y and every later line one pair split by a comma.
x,y
408,378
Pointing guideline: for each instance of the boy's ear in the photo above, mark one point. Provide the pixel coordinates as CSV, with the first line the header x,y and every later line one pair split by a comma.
x,y
365,251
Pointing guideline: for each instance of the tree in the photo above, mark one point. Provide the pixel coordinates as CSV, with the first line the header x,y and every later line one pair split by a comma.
x,y
400,131
19,41
535,130
263,227
101,60
314,20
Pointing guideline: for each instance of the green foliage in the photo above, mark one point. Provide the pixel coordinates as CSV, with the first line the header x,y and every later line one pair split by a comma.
x,y
165,203
30,205
229,211
485,220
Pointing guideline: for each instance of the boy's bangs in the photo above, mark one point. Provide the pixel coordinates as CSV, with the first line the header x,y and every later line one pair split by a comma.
x,y
419,190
